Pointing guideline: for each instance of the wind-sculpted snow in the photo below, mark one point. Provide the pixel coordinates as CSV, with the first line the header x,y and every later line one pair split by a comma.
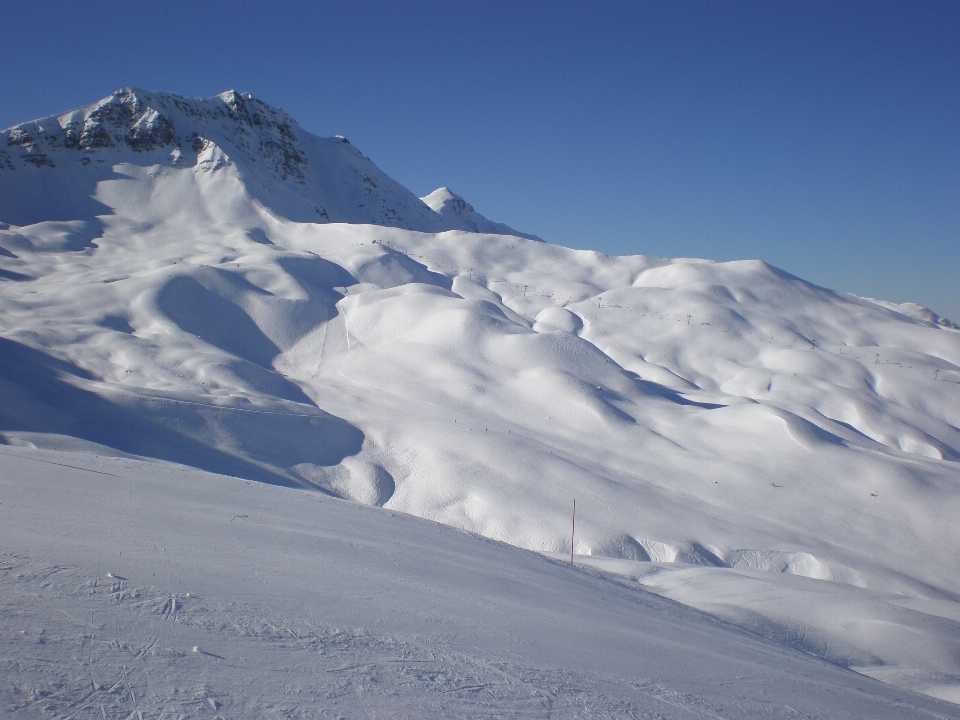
x,y
727,416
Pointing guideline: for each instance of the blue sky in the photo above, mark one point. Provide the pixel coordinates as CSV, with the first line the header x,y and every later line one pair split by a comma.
x,y
821,137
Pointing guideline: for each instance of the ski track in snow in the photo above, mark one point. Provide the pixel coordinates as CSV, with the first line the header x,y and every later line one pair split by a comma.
x,y
201,282
196,595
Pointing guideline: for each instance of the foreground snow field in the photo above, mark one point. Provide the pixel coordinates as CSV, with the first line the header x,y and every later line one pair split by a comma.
x,y
202,282
136,589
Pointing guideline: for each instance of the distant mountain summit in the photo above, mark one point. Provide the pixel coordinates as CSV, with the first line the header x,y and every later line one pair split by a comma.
x,y
288,171
461,215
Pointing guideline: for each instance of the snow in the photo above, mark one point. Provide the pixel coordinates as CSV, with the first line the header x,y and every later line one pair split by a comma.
x,y
136,588
461,216
764,451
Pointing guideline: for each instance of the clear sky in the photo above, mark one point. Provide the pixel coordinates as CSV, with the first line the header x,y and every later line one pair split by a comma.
x,y
822,137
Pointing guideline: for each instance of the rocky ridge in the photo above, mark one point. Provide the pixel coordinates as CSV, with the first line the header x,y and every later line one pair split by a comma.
x,y
286,169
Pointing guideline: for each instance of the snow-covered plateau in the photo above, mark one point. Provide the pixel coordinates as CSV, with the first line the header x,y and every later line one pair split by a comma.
x,y
280,437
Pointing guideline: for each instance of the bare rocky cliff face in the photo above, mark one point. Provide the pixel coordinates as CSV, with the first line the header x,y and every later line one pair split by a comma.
x,y
142,122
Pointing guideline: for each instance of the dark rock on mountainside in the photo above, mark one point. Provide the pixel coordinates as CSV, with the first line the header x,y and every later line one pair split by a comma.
x,y
283,168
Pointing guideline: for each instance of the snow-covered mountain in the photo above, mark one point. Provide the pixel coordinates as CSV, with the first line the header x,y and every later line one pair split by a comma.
x,y
461,215
274,163
202,282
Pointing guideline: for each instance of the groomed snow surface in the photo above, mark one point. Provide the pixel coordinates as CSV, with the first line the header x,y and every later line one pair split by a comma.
x,y
766,472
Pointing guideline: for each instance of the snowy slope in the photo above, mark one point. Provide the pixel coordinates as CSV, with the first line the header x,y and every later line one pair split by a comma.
x,y
461,216
138,589
769,451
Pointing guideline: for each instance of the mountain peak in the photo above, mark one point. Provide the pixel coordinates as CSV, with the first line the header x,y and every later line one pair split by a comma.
x,y
290,172
142,121
461,215
443,195
283,168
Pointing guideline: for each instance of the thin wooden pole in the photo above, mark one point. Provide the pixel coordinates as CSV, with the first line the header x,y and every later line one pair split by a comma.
x,y
573,528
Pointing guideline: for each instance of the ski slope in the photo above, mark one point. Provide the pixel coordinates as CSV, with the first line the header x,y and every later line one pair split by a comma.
x,y
201,282
137,588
